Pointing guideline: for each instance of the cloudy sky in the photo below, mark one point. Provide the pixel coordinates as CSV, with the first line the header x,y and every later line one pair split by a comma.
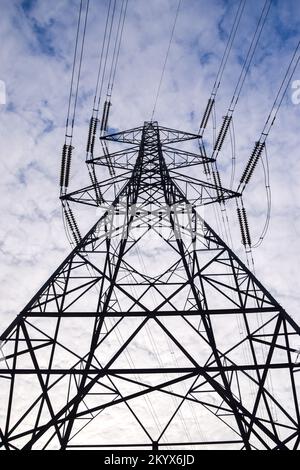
x,y
37,42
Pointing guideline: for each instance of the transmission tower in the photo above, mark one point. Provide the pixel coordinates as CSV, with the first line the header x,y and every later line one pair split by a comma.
x,y
186,350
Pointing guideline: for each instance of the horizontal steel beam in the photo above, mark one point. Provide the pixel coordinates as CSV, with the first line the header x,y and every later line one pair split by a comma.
x,y
156,370
171,313
160,444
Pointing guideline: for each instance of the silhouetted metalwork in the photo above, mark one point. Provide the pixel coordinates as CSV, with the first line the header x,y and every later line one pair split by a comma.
x,y
184,350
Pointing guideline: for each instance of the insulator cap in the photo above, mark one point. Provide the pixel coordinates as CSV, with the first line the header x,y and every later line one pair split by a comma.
x,y
207,113
222,133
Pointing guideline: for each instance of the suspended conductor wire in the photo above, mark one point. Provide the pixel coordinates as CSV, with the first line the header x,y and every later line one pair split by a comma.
x,y
120,41
284,86
214,124
129,359
117,47
68,148
107,52
228,118
73,68
149,333
241,80
228,48
101,55
222,66
80,62
143,265
102,68
250,54
268,198
70,225
166,59
233,154
114,50
248,172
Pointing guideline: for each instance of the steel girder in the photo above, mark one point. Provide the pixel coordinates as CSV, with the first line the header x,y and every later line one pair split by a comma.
x,y
187,349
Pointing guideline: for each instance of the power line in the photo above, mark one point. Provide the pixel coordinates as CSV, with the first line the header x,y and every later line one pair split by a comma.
x,y
117,47
227,119
107,52
222,66
282,90
250,55
73,96
73,66
166,59
120,41
260,144
101,54
80,61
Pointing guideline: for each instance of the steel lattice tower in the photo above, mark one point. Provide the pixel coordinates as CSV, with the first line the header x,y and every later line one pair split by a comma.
x,y
188,350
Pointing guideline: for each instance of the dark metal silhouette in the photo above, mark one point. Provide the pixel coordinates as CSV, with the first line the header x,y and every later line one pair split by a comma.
x,y
183,351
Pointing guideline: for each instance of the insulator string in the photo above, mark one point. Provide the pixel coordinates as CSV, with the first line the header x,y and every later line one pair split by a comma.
x,y
260,145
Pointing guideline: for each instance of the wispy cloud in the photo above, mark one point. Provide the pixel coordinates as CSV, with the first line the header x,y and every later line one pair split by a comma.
x,y
36,59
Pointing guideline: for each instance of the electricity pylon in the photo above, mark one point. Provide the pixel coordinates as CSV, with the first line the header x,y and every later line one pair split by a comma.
x,y
184,350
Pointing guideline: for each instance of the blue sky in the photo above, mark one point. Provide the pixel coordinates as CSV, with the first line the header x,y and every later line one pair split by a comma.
x,y
37,40
37,43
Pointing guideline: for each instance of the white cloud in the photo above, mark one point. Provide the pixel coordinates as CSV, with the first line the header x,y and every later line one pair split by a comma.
x,y
36,60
